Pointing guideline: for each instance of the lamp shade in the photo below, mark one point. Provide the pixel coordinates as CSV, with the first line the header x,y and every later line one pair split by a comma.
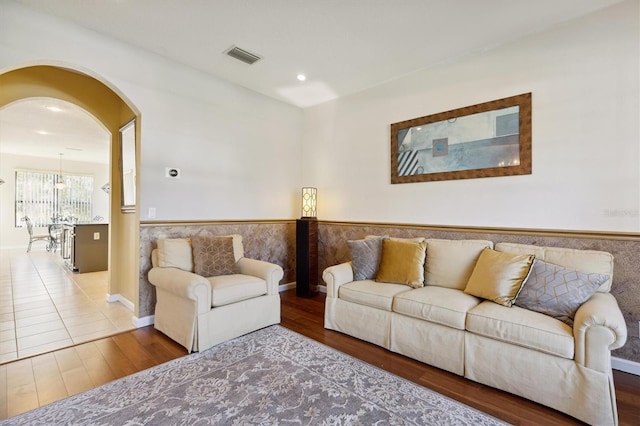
x,y
309,202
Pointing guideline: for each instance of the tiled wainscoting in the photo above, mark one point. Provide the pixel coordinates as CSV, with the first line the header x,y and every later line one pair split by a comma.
x,y
274,241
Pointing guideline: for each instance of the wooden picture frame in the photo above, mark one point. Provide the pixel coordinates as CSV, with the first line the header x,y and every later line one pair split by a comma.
x,y
484,140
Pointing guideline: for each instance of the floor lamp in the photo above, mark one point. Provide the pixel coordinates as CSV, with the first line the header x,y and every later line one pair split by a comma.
x,y
307,245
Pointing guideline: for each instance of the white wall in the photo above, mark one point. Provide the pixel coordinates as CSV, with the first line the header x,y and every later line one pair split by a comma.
x,y
584,78
10,236
238,150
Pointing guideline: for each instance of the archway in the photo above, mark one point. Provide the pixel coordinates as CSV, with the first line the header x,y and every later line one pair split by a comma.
x,y
113,110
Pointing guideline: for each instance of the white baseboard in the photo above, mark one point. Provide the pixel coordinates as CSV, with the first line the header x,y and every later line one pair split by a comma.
x,y
137,322
144,321
289,286
111,298
285,287
625,365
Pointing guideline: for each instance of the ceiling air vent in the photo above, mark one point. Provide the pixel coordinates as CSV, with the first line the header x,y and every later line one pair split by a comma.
x,y
243,55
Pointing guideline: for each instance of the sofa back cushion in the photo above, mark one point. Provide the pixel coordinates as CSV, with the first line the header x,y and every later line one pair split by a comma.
x,y
587,261
450,263
175,253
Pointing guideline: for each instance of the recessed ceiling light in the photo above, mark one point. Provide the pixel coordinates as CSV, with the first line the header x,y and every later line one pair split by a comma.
x,y
42,132
54,108
301,77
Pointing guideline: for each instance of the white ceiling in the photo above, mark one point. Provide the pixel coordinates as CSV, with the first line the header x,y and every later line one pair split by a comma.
x,y
343,46
47,127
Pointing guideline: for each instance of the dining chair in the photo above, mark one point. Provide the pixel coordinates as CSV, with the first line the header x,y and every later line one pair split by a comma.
x,y
55,236
35,237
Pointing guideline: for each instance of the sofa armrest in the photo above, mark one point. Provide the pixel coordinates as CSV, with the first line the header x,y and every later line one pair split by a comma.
x,y
183,284
270,272
337,275
598,328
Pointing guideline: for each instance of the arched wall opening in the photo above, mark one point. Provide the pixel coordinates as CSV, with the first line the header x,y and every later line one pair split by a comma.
x,y
113,110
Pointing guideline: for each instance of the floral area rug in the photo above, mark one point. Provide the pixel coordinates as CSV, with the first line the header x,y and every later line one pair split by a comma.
x,y
270,377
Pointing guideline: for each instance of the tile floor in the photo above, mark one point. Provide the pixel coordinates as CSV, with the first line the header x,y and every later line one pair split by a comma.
x,y
44,306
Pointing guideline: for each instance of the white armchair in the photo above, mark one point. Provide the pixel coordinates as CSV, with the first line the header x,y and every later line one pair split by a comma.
x,y
199,312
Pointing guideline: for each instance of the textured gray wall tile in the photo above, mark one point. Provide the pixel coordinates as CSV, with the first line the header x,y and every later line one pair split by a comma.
x,y
275,242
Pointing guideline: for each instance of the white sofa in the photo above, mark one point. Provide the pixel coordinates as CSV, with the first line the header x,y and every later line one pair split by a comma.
x,y
514,349
199,312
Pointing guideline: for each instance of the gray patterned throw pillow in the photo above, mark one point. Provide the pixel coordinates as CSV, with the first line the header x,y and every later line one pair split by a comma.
x,y
556,291
365,257
213,256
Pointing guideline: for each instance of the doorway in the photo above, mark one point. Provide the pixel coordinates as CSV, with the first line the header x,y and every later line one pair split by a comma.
x,y
112,110
43,306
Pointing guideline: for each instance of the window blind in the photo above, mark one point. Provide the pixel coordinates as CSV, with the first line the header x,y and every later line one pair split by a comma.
x,y
37,198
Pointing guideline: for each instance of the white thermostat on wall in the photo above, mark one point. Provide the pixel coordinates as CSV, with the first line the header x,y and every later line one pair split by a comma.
x,y
172,172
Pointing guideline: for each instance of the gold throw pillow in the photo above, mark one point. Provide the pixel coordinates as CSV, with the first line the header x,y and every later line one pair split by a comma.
x,y
499,276
402,262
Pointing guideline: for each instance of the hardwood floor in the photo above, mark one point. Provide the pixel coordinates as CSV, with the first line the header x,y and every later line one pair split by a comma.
x,y
36,381
32,382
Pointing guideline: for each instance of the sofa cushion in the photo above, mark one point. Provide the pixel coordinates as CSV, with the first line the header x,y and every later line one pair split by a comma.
x,y
365,257
402,262
371,293
213,256
450,263
498,276
514,248
592,261
441,305
175,253
557,291
226,289
521,327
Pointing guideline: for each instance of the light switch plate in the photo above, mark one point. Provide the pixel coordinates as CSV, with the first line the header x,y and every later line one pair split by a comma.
x,y
96,235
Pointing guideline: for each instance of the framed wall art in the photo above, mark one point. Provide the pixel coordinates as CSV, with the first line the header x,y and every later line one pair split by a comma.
x,y
485,140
